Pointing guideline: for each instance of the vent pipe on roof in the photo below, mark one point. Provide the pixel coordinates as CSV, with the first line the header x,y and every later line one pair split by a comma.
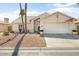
x,y
6,20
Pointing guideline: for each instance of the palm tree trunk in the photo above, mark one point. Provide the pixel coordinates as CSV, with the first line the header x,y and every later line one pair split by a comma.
x,y
25,18
22,17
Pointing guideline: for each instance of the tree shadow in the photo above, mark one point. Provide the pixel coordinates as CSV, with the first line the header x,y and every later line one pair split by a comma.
x,y
16,50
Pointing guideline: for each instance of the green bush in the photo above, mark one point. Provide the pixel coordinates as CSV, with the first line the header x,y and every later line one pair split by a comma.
x,y
74,30
6,33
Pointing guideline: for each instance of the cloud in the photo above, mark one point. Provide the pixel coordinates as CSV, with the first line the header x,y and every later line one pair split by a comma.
x,y
60,4
30,13
72,11
63,4
14,14
11,15
34,13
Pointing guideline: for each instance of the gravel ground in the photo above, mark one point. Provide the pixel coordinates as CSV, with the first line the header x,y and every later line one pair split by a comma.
x,y
32,40
13,42
6,38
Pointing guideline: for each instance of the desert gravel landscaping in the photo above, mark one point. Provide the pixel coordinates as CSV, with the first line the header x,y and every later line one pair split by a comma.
x,y
13,42
29,40
4,39
33,40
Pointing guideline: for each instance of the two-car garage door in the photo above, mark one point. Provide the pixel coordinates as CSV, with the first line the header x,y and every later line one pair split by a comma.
x,y
56,28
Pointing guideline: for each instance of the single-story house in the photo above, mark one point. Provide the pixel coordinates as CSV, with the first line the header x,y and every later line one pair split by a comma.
x,y
55,23
58,23
32,23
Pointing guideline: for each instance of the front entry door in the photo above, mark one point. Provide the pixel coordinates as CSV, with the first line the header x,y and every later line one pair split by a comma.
x,y
20,28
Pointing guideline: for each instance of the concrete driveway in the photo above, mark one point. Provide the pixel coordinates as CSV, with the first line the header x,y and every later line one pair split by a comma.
x,y
62,40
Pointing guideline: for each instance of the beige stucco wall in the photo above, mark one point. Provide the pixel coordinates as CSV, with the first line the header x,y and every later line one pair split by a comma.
x,y
15,27
52,19
36,21
3,27
29,27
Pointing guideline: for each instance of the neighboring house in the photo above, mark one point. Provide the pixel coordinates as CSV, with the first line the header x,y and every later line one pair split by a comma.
x,y
4,25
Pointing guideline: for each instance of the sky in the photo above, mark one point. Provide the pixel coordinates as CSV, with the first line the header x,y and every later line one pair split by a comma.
x,y
11,10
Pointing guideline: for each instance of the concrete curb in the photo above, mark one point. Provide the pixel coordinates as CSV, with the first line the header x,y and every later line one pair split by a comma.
x,y
41,48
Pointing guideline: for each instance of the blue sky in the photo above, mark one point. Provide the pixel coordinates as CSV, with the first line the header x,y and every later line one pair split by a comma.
x,y
11,10
70,9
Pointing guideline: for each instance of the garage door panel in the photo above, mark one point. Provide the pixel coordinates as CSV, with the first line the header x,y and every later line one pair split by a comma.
x,y
56,28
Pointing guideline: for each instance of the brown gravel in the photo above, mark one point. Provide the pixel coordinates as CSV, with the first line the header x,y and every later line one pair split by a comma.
x,y
32,40
5,38
13,42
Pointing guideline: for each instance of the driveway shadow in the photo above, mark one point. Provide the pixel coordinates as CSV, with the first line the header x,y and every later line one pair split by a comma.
x,y
64,36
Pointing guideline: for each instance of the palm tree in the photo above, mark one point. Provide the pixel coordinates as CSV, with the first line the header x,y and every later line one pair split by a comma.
x,y
25,18
22,13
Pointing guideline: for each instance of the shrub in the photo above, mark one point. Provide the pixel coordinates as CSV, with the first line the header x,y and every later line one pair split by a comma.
x,y
41,30
11,31
74,30
6,33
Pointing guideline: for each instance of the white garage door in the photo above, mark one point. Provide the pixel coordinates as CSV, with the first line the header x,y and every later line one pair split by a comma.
x,y
56,28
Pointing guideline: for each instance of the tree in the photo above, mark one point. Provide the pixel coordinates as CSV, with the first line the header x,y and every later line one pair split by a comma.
x,y
22,13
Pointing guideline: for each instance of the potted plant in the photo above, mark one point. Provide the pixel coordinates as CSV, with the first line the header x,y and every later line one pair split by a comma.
x,y
74,31
41,31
